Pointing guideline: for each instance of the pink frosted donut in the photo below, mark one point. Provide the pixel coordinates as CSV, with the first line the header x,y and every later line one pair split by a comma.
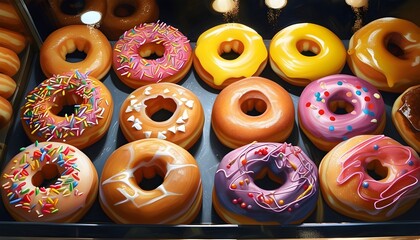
x,y
151,53
239,198
338,107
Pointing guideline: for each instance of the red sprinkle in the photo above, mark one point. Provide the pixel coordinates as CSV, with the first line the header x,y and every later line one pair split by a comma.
x,y
326,93
308,104
321,112
367,98
332,118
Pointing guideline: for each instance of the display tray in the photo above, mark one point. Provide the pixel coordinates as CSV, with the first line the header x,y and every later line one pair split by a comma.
x,y
208,152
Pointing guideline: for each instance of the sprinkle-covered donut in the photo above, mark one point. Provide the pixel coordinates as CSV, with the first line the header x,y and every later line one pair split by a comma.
x,y
218,72
49,182
335,108
239,199
184,125
90,116
370,178
132,60
126,197
304,52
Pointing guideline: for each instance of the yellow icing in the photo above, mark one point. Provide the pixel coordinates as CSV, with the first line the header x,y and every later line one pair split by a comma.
x,y
245,65
330,57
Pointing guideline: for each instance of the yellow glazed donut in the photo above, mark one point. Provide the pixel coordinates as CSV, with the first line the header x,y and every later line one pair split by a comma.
x,y
49,182
7,86
70,38
386,53
6,111
304,52
9,62
218,72
12,40
126,197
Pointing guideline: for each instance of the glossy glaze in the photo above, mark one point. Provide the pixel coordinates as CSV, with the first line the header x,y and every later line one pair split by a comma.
x,y
9,62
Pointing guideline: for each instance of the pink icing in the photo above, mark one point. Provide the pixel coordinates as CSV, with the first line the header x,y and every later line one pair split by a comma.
x,y
127,61
292,201
316,117
403,173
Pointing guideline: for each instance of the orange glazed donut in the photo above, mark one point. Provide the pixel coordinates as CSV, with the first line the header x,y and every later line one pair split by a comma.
x,y
406,116
91,110
49,182
8,17
386,53
233,121
123,15
6,111
124,198
9,62
7,86
370,178
12,40
219,72
69,12
69,39
185,125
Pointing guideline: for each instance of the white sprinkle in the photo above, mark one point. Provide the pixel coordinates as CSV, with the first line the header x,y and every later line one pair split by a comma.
x,y
147,134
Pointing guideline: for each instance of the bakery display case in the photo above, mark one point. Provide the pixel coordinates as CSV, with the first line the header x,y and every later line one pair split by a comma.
x,y
39,18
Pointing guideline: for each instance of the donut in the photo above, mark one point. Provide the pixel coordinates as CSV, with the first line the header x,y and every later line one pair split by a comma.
x,y
70,12
370,178
72,108
9,62
406,116
8,17
6,112
49,182
239,196
216,70
385,52
73,38
183,127
7,86
126,199
12,40
338,107
134,63
252,109
123,15
304,52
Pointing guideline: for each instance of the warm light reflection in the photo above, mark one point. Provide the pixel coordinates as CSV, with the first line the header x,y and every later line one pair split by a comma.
x,y
276,4
224,6
91,17
357,3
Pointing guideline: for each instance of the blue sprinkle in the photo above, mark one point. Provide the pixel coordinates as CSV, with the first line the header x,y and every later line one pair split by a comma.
x,y
365,89
358,92
372,114
345,138
365,184
365,111
14,185
410,163
75,184
331,128
317,94
349,128
340,83
15,201
43,156
375,147
318,99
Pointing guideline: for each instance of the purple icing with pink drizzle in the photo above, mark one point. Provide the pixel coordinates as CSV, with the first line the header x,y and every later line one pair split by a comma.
x,y
316,116
290,202
128,62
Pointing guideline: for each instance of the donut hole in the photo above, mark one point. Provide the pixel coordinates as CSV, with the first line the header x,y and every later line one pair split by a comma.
x,y
253,103
150,177
151,51
340,107
47,176
231,50
267,180
308,48
75,56
376,170
72,7
394,44
124,10
66,105
160,109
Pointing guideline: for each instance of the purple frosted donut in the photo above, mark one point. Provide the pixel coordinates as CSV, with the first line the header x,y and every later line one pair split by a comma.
x,y
240,198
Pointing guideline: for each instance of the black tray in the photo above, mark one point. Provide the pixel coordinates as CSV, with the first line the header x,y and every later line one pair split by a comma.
x,y
208,151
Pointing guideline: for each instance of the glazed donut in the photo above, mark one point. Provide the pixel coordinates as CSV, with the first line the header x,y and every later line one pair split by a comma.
x,y
239,198
123,197
70,38
123,15
7,86
91,110
370,178
6,112
12,40
219,72
70,12
8,17
385,52
185,125
252,109
304,52
338,107
406,116
9,62
131,53
49,182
